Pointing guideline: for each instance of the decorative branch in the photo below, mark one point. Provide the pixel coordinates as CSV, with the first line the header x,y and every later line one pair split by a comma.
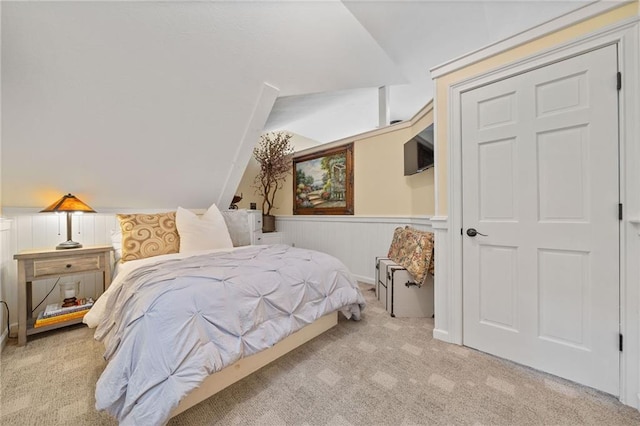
x,y
274,154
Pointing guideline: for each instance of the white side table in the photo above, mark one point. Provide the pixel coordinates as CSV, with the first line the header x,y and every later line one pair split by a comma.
x,y
271,238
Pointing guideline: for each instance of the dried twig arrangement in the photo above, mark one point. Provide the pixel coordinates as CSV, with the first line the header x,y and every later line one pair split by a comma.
x,y
274,154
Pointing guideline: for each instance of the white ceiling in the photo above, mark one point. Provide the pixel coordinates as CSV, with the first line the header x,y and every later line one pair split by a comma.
x,y
149,102
416,35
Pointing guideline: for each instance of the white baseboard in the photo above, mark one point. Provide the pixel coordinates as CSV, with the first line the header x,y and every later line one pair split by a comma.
x,y
13,334
363,279
441,335
4,337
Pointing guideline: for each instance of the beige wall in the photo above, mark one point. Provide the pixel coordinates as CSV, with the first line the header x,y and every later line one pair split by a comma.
x,y
445,81
380,187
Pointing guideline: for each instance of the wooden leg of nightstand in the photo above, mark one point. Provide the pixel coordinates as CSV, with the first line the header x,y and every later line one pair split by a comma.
x,y
22,306
29,300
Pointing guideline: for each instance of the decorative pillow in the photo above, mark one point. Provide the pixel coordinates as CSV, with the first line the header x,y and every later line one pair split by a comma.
x,y
116,243
396,244
238,225
147,235
202,233
432,263
416,253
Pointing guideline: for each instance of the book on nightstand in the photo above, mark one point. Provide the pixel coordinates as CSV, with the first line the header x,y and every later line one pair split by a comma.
x,y
56,309
41,321
55,313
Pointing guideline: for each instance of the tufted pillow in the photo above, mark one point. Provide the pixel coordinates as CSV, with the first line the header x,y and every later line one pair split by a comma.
x,y
238,225
396,244
202,233
147,235
416,254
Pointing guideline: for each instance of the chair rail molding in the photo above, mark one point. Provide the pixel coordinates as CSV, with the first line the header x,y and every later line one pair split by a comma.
x,y
440,222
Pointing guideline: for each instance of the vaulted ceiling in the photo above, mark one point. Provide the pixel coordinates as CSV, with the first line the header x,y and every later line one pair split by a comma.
x,y
416,36
154,103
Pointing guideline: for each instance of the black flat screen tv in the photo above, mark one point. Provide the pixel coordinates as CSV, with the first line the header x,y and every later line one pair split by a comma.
x,y
418,152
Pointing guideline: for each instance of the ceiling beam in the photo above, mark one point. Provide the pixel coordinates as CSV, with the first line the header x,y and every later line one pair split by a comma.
x,y
384,112
250,137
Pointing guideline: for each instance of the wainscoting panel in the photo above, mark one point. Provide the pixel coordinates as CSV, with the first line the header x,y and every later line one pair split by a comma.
x,y
6,263
355,240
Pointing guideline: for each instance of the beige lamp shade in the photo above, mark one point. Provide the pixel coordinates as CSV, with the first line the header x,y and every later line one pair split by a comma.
x,y
68,204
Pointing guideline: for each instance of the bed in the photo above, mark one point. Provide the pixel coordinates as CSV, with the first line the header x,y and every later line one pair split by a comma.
x,y
179,327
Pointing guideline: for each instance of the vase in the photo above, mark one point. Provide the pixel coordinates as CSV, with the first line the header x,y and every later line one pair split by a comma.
x,y
268,223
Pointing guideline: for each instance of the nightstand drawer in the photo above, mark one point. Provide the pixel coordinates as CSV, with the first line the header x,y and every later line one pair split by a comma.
x,y
66,266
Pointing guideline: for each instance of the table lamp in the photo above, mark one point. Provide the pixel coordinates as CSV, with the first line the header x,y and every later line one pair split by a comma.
x,y
68,204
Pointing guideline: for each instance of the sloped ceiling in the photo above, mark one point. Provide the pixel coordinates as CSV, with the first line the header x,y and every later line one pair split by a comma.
x,y
417,35
151,104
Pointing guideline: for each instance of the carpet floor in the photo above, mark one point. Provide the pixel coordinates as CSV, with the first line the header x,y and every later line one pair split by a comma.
x,y
379,371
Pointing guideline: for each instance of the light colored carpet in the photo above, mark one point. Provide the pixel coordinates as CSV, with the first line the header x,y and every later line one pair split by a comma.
x,y
379,371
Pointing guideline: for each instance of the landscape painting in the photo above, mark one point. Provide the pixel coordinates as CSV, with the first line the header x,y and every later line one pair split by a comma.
x,y
323,182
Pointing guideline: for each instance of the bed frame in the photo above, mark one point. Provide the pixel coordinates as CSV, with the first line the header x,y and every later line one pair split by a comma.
x,y
245,366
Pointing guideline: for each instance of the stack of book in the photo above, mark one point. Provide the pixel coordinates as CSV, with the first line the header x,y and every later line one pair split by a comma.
x,y
55,313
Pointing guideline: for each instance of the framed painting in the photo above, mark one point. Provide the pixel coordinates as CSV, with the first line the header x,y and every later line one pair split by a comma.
x,y
323,182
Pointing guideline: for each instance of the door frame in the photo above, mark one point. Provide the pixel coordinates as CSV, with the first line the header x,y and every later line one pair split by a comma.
x,y
449,307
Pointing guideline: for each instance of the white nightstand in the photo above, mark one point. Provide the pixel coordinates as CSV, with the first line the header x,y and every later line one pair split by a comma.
x,y
255,226
272,238
257,236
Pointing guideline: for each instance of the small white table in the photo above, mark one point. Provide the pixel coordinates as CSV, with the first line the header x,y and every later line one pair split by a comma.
x,y
271,238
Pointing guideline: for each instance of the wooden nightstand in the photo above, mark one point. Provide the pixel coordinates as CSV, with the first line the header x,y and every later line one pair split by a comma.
x,y
40,264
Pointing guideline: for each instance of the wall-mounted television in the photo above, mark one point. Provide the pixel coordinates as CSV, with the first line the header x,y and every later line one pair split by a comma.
x,y
418,152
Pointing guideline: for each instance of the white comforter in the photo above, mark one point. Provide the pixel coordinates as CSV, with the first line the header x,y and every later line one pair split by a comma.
x,y
168,324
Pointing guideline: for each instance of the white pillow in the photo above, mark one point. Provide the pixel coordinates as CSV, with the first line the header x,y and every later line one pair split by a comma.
x,y
202,233
116,242
238,225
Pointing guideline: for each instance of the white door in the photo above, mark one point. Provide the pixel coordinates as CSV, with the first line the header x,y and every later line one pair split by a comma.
x,y
540,179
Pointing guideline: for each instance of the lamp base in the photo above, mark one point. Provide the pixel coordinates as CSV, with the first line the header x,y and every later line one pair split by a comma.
x,y
68,245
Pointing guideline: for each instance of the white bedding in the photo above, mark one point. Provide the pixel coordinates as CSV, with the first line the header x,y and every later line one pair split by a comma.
x,y
93,317
169,323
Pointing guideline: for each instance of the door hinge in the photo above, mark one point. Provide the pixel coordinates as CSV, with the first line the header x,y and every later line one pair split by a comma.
x,y
460,231
620,342
619,76
620,211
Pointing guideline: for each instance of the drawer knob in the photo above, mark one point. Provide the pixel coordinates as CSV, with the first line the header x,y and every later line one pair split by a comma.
x,y
68,265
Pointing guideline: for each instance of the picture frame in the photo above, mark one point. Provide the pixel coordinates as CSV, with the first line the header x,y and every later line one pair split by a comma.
x,y
323,182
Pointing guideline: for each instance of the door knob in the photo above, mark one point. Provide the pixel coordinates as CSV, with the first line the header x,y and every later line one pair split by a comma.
x,y
472,233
